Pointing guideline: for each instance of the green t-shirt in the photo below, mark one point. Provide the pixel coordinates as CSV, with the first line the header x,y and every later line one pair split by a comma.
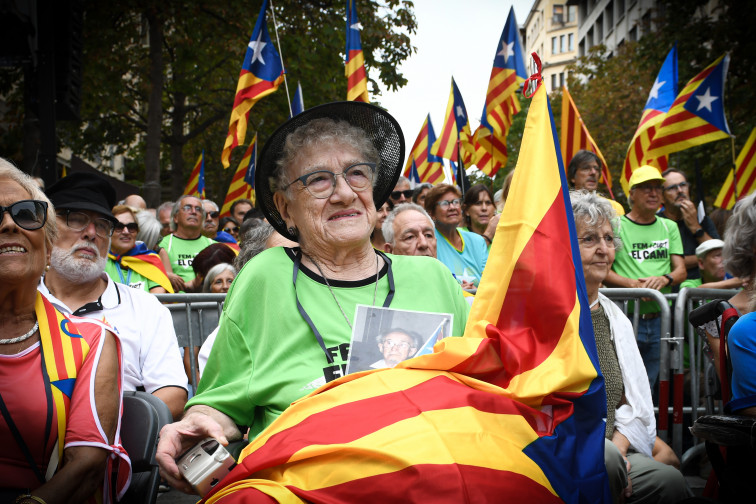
x,y
128,276
266,356
692,283
647,250
182,252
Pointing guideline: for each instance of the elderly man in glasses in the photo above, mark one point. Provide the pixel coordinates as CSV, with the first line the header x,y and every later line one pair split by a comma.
x,y
178,249
651,257
679,208
402,192
76,284
396,345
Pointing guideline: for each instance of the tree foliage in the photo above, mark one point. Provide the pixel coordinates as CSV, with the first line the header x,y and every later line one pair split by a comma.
x,y
202,51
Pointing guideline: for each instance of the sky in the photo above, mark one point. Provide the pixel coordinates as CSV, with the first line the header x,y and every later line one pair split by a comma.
x,y
456,39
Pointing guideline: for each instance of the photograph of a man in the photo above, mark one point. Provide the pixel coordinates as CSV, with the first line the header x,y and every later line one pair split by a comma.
x,y
396,345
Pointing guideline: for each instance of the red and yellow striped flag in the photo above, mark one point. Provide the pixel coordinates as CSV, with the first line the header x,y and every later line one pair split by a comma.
x,y
239,187
575,137
745,169
514,410
455,136
196,184
354,60
429,167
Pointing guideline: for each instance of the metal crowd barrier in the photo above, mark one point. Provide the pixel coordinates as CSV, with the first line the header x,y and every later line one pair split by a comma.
x,y
687,301
669,351
194,317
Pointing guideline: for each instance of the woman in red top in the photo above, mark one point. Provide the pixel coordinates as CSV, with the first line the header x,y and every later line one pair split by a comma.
x,y
60,382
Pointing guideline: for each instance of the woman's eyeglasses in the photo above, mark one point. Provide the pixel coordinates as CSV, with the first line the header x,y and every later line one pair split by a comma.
x,y
447,203
27,214
133,227
322,183
233,230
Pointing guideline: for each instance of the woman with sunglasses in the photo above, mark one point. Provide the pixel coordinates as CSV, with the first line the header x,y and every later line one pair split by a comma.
x,y
463,252
229,225
60,383
131,262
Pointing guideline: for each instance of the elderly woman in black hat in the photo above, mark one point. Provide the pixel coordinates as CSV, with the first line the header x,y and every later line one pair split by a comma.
x,y
319,180
60,379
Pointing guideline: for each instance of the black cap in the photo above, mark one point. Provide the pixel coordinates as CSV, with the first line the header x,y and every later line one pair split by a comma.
x,y
83,191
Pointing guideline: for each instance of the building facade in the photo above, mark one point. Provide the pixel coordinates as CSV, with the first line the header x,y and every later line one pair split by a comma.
x,y
551,30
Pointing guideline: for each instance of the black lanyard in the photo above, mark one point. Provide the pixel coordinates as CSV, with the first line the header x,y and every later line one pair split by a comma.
x,y
306,317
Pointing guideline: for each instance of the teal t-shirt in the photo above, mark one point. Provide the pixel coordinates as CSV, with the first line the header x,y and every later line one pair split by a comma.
x,y
182,252
266,356
647,250
468,263
128,277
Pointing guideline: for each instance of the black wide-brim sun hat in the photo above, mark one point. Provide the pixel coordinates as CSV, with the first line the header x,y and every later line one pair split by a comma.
x,y
379,127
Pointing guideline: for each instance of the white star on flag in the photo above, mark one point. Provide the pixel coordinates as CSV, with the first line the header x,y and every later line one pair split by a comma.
x,y
705,100
460,112
507,50
655,89
257,46
356,26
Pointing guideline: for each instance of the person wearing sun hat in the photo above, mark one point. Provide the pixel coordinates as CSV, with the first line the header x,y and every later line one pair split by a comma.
x,y
650,257
320,178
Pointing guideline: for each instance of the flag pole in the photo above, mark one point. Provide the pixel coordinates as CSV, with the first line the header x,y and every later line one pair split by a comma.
x,y
461,167
280,55
734,167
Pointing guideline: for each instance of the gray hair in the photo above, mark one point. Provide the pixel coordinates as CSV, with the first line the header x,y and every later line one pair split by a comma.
x,y
593,210
416,339
214,272
177,206
215,205
253,243
579,159
319,132
388,224
419,189
163,206
740,238
8,171
149,229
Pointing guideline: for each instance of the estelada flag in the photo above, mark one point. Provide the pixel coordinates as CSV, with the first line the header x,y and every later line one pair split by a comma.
x,y
261,74
354,59
511,411
745,170
242,185
146,262
575,137
661,96
698,115
196,184
455,134
430,168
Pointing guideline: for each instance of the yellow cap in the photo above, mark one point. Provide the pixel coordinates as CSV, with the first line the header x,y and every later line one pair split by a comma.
x,y
644,174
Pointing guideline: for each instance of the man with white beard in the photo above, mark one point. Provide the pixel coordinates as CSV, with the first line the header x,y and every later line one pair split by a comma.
x,y
76,283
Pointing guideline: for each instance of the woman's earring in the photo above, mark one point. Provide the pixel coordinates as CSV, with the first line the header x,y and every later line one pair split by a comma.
x,y
293,231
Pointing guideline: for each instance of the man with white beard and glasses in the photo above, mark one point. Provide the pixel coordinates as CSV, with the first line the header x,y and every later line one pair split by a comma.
x,y
76,283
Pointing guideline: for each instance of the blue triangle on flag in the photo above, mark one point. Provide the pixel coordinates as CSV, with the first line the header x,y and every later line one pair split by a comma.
x,y
707,100
66,386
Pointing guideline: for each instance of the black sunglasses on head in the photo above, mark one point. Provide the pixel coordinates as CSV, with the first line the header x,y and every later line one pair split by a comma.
x,y
398,194
27,214
133,227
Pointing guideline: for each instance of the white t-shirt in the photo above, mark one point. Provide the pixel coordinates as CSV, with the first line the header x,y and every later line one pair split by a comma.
x,y
151,358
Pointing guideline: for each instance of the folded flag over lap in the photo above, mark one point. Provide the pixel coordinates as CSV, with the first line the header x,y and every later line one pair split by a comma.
x,y
513,410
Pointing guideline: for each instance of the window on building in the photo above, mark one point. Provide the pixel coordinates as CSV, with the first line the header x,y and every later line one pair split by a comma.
x,y
633,34
572,13
561,79
553,82
557,14
620,8
571,42
609,16
562,44
554,48
589,39
600,30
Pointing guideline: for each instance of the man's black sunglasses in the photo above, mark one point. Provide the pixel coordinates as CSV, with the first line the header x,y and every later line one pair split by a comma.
x,y
213,215
398,194
27,214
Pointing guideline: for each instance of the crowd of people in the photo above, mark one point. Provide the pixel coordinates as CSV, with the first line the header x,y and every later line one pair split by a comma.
x,y
334,227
